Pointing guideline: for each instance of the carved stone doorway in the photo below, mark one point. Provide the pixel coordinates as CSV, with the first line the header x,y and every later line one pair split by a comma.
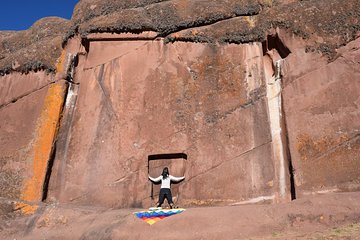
x,y
176,163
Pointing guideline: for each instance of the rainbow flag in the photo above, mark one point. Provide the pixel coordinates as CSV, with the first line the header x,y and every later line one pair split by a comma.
x,y
152,217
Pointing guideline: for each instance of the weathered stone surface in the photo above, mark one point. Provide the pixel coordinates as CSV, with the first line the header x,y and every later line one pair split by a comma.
x,y
163,17
17,85
322,113
18,125
88,9
242,29
314,217
325,25
206,101
28,127
176,77
244,177
34,49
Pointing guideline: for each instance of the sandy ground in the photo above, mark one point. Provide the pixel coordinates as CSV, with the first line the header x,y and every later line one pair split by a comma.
x,y
330,216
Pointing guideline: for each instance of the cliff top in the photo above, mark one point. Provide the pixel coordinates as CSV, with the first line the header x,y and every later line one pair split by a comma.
x,y
34,49
325,24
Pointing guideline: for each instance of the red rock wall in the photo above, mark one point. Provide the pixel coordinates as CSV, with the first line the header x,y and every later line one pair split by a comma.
x,y
322,103
18,123
138,98
133,98
29,115
189,84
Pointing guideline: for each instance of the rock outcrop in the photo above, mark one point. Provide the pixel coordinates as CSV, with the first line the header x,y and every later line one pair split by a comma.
x,y
37,48
250,100
313,217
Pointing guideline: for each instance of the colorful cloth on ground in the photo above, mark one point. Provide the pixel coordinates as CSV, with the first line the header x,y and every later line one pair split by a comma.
x,y
152,217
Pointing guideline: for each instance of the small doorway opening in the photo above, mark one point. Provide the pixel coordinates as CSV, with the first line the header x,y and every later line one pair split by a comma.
x,y
176,164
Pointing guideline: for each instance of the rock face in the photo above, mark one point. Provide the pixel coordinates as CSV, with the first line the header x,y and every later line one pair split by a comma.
x,y
203,100
30,110
322,111
34,49
250,100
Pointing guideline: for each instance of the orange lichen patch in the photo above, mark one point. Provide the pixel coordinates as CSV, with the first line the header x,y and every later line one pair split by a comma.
x,y
26,208
61,62
176,35
194,32
310,148
336,168
45,133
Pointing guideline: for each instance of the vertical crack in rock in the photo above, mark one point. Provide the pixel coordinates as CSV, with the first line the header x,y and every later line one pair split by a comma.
x,y
277,130
45,137
288,153
108,103
284,135
73,62
61,143
54,147
65,131
276,51
48,172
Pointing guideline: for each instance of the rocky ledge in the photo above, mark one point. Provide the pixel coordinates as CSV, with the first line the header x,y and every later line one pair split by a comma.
x,y
325,25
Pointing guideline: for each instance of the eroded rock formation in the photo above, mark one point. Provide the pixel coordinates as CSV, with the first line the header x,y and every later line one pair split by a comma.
x,y
260,96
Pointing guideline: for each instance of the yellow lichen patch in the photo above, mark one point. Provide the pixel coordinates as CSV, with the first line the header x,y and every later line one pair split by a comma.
x,y
60,62
267,3
45,133
250,20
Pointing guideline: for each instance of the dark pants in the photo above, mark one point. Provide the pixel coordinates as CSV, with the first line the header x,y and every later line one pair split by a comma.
x,y
165,193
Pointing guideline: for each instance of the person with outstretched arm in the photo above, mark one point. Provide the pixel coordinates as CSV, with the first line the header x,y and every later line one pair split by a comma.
x,y
165,191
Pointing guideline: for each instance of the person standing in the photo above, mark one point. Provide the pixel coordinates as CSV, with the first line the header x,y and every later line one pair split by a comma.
x,y
165,191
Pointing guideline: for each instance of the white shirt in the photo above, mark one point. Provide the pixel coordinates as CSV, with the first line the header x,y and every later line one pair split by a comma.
x,y
165,183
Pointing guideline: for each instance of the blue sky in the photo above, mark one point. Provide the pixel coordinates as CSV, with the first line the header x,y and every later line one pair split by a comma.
x,y
21,14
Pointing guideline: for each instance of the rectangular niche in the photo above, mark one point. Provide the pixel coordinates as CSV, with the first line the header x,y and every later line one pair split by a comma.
x,y
176,164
